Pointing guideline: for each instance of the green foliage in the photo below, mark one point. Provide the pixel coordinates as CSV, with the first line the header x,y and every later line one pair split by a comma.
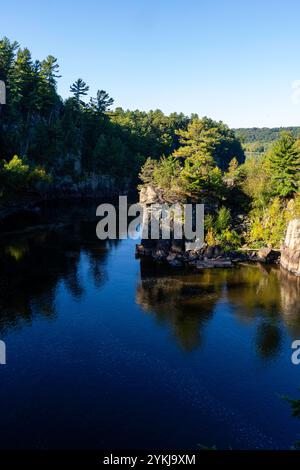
x,y
264,135
294,207
268,226
102,102
146,174
206,148
73,137
233,175
200,178
255,181
223,219
268,181
219,230
166,172
79,88
203,160
163,174
18,176
210,138
283,165
153,133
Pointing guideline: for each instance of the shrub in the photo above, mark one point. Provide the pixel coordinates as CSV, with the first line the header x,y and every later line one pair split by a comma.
x,y
267,227
219,230
18,176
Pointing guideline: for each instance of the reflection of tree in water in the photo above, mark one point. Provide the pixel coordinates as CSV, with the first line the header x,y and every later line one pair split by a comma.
x,y
267,295
32,265
268,339
270,295
184,302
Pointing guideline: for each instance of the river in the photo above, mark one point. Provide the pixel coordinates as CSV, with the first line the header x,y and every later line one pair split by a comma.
x,y
104,351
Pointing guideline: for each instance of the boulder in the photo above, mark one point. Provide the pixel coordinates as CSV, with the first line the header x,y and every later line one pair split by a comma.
x,y
163,245
268,255
218,251
159,255
252,255
209,252
177,246
176,263
148,195
171,257
238,256
213,251
193,256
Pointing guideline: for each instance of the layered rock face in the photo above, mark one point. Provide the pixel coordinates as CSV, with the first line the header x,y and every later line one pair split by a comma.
x,y
290,251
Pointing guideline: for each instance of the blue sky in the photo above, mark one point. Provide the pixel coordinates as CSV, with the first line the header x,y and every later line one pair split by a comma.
x,y
228,59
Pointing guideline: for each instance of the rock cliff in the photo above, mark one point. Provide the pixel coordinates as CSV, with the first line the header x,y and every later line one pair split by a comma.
x,y
290,250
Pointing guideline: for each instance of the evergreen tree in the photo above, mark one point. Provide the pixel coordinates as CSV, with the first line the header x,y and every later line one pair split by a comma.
x,y
212,138
7,55
50,70
79,88
283,166
102,102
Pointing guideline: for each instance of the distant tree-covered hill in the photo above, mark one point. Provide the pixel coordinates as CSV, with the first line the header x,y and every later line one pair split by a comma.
x,y
258,140
264,134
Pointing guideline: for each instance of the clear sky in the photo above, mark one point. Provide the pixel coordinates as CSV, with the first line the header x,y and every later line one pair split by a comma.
x,y
229,59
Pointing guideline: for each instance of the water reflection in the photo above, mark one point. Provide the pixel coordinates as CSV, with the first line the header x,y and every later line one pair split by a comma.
x,y
265,296
35,262
32,265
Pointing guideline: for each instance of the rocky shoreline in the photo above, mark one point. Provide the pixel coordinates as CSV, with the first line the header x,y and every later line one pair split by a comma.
x,y
203,258
175,254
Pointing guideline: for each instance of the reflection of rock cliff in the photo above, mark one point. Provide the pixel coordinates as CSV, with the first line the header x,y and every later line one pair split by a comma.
x,y
290,251
272,293
185,303
290,301
265,296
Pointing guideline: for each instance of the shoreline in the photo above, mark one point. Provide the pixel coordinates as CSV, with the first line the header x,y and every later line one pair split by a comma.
x,y
208,257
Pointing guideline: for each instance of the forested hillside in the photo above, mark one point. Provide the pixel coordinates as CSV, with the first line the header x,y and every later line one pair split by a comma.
x,y
247,202
47,141
256,140
263,134
74,138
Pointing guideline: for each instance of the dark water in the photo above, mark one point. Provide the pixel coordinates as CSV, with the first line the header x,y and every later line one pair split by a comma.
x,y
103,352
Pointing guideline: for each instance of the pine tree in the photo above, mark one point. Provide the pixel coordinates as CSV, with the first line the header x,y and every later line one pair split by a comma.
x,y
7,55
212,138
79,88
102,102
283,165
49,70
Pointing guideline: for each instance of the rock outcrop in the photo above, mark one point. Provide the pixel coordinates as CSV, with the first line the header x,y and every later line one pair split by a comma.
x,y
290,250
268,255
177,252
